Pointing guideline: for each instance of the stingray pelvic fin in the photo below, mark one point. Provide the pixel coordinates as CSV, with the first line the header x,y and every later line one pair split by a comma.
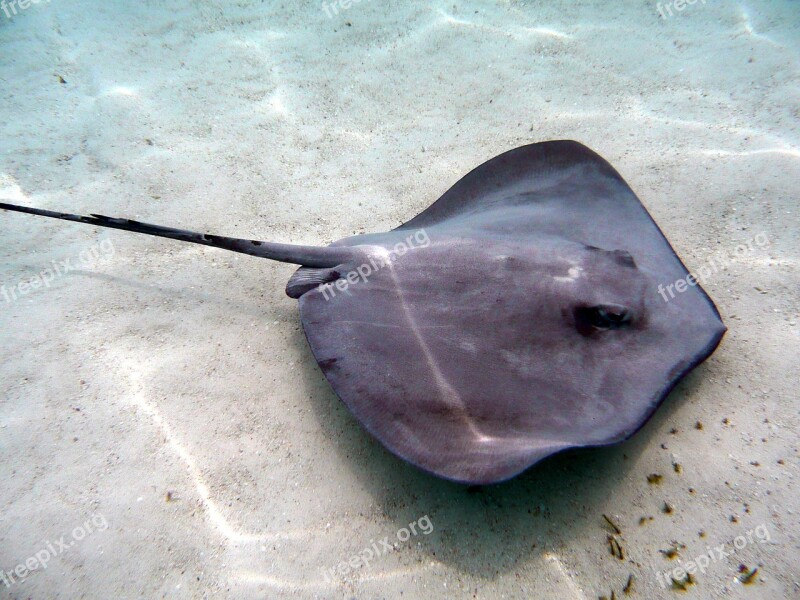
x,y
307,256
305,279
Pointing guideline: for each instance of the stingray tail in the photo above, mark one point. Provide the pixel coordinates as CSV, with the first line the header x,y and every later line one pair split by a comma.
x,y
308,256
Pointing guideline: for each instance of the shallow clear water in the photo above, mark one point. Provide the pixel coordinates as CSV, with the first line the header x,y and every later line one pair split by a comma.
x,y
160,410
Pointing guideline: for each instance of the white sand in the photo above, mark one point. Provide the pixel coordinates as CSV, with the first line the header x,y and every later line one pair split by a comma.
x,y
167,368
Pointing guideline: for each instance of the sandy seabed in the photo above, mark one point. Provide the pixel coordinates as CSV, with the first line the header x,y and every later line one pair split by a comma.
x,y
164,428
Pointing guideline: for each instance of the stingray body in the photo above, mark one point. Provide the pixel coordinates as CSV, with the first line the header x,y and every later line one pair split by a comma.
x,y
519,315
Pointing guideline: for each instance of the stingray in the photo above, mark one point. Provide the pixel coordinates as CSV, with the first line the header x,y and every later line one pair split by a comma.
x,y
521,314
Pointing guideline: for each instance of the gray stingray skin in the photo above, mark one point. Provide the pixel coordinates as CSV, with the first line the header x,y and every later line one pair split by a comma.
x,y
525,319
470,357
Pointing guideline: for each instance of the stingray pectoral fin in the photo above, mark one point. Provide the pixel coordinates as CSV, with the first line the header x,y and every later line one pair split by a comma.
x,y
308,256
306,279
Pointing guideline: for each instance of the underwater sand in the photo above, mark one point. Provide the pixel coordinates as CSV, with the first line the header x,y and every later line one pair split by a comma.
x,y
163,395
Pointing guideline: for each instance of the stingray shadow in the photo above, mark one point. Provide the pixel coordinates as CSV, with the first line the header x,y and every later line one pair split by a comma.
x,y
487,531
482,531
253,310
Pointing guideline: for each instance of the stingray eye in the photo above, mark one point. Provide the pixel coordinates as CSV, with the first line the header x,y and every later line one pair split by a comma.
x,y
589,319
607,317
